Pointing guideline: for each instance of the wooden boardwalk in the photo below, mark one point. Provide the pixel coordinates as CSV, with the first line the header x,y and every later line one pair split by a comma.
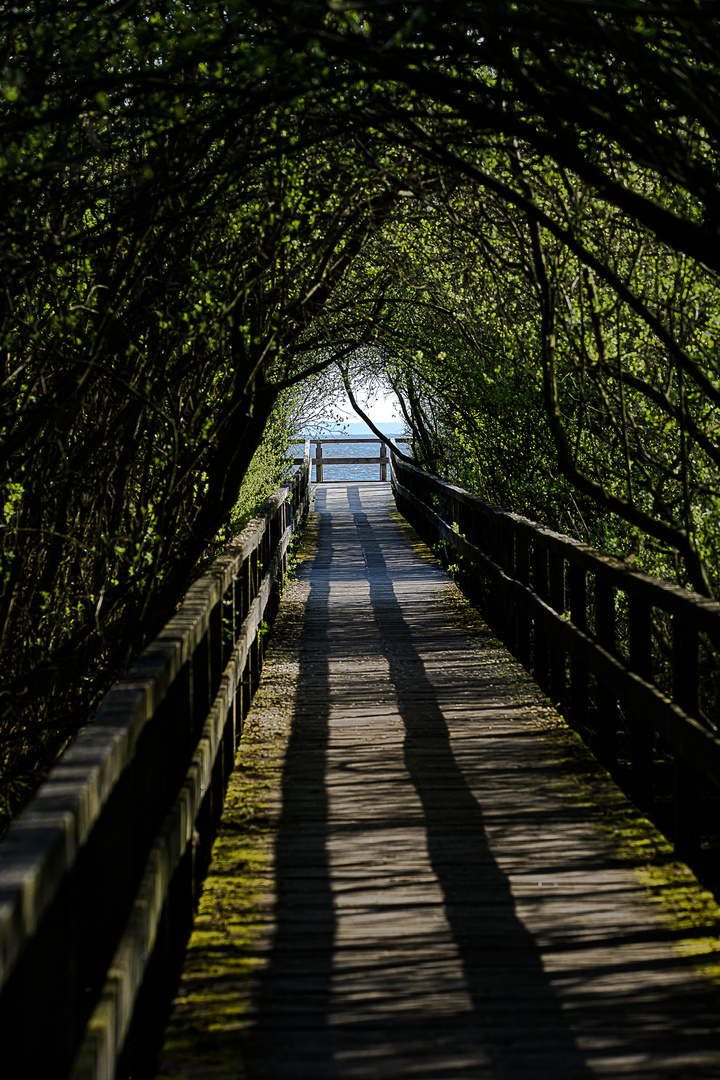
x,y
407,881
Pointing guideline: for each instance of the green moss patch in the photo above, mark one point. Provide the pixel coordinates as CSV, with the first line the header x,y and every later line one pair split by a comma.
x,y
213,1011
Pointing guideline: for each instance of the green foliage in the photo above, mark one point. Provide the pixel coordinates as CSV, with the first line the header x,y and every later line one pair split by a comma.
x,y
506,212
269,469
514,352
170,230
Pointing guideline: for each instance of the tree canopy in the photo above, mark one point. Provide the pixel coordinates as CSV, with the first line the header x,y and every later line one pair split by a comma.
x,y
508,212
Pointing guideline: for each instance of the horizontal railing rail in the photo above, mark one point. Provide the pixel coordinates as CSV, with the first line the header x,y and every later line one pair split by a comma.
x,y
632,661
320,460
100,873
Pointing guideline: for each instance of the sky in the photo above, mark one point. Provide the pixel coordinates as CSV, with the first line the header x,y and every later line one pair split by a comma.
x,y
381,409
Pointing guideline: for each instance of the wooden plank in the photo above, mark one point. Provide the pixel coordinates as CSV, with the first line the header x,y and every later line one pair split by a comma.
x,y
405,883
327,460
334,442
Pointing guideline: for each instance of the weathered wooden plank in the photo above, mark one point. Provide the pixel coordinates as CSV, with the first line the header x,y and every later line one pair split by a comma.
x,y
348,460
335,442
426,896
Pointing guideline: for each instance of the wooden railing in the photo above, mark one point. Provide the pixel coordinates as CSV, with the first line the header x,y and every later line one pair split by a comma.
x,y
632,661
99,875
319,460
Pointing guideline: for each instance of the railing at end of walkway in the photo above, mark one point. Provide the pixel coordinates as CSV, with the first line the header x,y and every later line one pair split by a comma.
x,y
320,460
99,875
632,661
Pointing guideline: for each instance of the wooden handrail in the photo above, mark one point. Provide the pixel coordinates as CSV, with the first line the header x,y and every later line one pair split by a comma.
x,y
616,649
98,876
381,459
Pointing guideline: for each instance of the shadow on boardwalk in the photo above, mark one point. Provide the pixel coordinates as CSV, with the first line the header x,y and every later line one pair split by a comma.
x,y
412,937
301,1031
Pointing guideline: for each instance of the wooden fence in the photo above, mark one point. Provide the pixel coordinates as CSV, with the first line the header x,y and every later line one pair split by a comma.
x,y
99,875
320,460
632,661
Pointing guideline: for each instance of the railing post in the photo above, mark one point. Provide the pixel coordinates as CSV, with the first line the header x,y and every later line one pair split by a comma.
x,y
383,461
522,606
241,612
263,565
318,462
228,630
280,526
215,648
468,572
540,630
447,514
464,520
503,590
303,481
556,600
577,590
254,656
688,804
641,755
200,684
607,743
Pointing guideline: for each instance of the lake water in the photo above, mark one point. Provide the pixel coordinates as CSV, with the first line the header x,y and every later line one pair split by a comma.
x,y
346,449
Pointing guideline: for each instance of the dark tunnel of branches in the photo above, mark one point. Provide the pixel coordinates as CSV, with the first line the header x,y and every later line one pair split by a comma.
x,y
215,215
